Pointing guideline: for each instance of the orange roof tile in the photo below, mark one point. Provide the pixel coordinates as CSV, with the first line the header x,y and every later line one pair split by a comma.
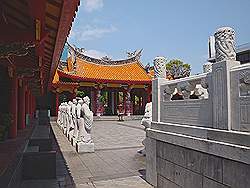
x,y
132,72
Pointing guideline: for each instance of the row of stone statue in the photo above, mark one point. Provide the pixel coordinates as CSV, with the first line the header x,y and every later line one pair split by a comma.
x,y
76,119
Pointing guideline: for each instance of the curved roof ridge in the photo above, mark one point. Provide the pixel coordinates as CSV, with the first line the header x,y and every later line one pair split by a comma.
x,y
108,61
135,56
121,64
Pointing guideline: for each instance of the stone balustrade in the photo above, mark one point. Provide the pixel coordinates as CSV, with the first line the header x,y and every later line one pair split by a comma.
x,y
187,111
201,141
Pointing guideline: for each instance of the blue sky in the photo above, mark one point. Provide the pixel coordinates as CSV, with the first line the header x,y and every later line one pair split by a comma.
x,y
174,29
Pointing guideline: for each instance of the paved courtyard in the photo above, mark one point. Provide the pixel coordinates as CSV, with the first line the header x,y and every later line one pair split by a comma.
x,y
115,162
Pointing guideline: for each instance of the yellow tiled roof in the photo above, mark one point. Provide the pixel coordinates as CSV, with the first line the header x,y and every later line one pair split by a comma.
x,y
88,71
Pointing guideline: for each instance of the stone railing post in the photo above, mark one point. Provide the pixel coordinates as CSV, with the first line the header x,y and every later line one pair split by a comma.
x,y
221,87
150,144
159,77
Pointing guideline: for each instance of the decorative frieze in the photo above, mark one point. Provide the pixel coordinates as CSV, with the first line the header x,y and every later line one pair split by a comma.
x,y
244,77
15,49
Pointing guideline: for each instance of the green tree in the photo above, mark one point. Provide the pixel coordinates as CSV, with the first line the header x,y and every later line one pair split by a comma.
x,y
80,94
175,69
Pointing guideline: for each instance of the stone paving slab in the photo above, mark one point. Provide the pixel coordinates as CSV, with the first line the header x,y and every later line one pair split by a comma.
x,y
115,161
128,182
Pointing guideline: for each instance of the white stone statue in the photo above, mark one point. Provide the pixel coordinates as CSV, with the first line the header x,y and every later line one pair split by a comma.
x,y
71,124
80,120
88,120
146,122
59,114
225,44
85,142
64,118
67,121
160,67
74,119
147,118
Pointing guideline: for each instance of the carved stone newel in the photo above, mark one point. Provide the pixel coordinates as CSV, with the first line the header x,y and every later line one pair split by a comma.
x,y
160,67
225,44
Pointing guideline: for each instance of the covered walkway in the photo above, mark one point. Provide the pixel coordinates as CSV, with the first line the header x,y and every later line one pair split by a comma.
x,y
115,162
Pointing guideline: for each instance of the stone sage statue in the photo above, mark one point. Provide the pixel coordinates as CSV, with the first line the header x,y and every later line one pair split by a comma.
x,y
88,120
160,67
74,119
80,120
85,143
64,117
71,123
225,44
146,122
59,115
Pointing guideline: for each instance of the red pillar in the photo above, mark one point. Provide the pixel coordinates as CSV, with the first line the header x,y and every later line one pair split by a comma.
x,y
13,106
21,106
26,103
30,104
57,103
34,104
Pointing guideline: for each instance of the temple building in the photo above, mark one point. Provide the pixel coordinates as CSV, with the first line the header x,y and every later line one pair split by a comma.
x,y
108,83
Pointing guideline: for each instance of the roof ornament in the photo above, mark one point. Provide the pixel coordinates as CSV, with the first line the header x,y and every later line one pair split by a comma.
x,y
72,53
80,50
106,59
147,67
134,54
131,54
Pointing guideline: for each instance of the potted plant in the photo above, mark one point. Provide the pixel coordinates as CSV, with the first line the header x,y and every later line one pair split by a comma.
x,y
5,123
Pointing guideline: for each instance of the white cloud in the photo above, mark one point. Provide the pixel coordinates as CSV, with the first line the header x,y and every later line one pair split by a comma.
x,y
91,5
95,53
89,32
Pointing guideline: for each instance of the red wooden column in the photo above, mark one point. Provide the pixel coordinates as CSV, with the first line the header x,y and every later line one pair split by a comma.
x,y
34,104
26,104
98,102
30,103
21,105
13,106
128,109
57,103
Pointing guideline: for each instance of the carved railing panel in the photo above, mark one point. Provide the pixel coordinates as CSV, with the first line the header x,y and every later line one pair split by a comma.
x,y
194,85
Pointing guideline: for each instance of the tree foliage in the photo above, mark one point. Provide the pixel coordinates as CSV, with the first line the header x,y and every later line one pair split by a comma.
x,y
177,69
80,93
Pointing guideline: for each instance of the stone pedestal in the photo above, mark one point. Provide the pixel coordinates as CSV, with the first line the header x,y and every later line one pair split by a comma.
x,y
82,147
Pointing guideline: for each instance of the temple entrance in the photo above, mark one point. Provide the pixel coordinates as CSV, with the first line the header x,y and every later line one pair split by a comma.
x,y
110,99
138,98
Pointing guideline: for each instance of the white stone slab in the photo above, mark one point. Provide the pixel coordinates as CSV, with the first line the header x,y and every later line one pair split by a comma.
x,y
82,147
